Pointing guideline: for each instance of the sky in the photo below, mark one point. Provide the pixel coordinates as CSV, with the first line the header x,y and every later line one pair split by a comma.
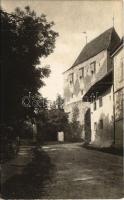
x,y
71,19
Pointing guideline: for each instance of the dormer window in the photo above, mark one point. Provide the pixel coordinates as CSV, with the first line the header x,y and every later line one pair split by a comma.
x,y
71,78
93,67
81,71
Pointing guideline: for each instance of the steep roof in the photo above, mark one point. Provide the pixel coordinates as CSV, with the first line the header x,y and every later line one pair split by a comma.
x,y
108,40
119,47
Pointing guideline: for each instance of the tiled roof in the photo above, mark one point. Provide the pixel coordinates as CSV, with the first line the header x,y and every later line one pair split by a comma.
x,y
108,40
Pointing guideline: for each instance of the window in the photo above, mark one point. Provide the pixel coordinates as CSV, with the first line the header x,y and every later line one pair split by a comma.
x,y
82,91
81,72
119,104
72,95
94,105
95,126
101,124
93,67
100,102
71,78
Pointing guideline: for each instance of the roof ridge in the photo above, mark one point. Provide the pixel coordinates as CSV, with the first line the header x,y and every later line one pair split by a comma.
x,y
99,35
110,37
112,28
107,40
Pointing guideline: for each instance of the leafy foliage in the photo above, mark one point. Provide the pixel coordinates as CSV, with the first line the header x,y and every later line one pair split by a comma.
x,y
59,102
75,113
74,129
53,120
26,38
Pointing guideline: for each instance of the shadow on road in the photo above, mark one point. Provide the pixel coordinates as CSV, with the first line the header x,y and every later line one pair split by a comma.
x,y
30,183
110,150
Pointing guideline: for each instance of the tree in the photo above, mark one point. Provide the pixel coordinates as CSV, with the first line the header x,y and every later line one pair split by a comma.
x,y
53,105
75,127
75,113
59,102
26,38
52,120
58,119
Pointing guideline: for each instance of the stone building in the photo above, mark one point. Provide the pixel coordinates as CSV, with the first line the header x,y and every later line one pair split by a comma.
x,y
90,79
73,92
118,60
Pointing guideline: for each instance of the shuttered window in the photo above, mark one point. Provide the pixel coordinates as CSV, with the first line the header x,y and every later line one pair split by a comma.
x,y
93,67
81,72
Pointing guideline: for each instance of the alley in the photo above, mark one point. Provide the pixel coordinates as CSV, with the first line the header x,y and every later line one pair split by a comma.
x,y
66,171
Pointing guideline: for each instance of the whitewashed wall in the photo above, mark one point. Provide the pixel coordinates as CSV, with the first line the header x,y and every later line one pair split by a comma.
x,y
118,71
84,83
119,96
104,137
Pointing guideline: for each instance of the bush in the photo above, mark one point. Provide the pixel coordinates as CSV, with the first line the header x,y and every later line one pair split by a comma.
x,y
73,132
9,142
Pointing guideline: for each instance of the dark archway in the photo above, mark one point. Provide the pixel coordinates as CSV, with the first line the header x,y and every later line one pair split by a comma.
x,y
87,125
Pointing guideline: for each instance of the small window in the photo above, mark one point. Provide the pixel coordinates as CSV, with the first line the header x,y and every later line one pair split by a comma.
x,y
100,102
72,95
71,78
101,124
94,105
82,91
93,67
95,126
81,72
